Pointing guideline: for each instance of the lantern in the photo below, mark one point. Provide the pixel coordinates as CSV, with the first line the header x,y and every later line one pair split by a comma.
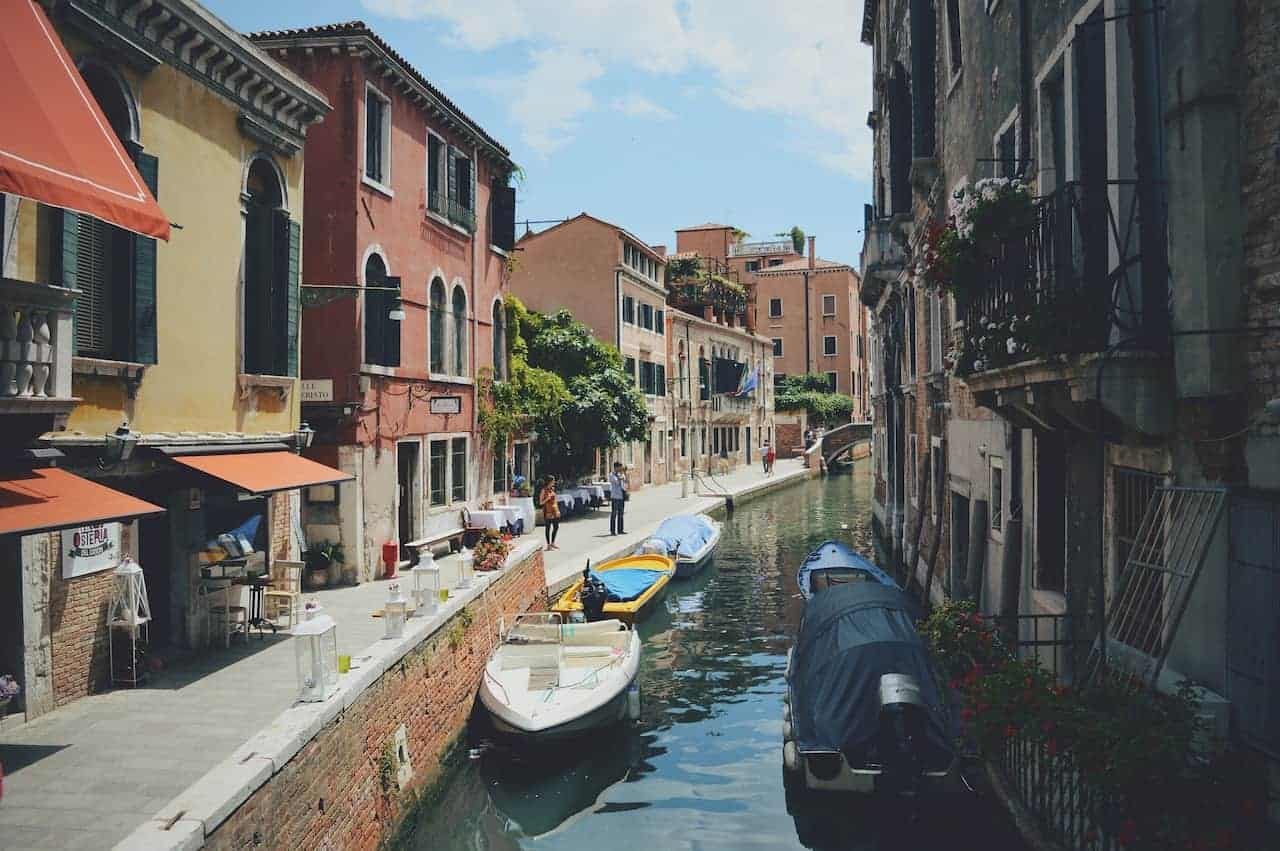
x,y
131,607
426,584
466,568
316,653
394,611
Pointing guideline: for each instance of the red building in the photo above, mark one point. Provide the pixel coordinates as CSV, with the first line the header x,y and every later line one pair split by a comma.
x,y
410,220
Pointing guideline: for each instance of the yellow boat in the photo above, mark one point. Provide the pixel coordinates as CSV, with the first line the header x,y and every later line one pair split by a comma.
x,y
635,608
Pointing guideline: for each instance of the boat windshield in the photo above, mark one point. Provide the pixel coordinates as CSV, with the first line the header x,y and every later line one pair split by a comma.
x,y
535,628
821,580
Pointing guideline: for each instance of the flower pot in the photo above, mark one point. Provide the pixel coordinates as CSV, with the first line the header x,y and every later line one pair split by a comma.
x,y
316,577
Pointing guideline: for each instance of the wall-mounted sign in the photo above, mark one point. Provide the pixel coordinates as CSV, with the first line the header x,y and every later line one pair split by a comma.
x,y
89,549
317,390
446,404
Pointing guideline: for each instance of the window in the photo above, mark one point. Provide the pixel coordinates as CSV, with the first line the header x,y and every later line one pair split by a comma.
x,y
660,379
439,466
953,36
704,379
381,332
935,332
270,276
458,465
913,462
831,382
684,443
861,356
499,341
777,261
377,137
996,508
829,345
459,331
646,377
936,476
777,347
500,479
1007,164
646,316
464,188
828,305
660,321
436,322
779,379
628,310
437,175
775,308
911,332
753,265
703,443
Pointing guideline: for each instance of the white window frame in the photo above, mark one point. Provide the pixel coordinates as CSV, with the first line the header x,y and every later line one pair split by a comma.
x,y
955,68
935,477
835,346
832,311
935,332
450,504
1012,123
773,315
995,512
913,462
777,346
444,178
384,185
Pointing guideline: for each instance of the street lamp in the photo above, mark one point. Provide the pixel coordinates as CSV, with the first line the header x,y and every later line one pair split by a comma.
x,y
119,446
396,313
303,436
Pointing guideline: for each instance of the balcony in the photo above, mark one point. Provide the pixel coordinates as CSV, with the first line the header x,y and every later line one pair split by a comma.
x,y
35,357
883,259
460,215
706,288
1080,301
756,249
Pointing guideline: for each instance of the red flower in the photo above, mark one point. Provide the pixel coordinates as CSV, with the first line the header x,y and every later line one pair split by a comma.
x,y
966,714
1010,731
1128,832
1052,747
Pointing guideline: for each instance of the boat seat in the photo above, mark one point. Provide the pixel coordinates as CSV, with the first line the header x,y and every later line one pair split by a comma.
x,y
530,656
602,652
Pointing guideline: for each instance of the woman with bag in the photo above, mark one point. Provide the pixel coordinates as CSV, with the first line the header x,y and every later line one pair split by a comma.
x,y
550,511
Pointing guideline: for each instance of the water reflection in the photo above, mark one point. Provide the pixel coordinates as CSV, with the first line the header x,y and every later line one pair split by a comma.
x,y
702,767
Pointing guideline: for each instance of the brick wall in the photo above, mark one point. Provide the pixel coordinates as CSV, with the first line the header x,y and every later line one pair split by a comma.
x,y
790,440
280,525
78,642
332,793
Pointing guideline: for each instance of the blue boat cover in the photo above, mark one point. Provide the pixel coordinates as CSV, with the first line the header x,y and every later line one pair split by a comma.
x,y
627,583
852,634
684,534
833,555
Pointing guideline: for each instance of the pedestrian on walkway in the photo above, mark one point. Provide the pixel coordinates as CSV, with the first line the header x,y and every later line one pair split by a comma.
x,y
618,496
769,457
550,512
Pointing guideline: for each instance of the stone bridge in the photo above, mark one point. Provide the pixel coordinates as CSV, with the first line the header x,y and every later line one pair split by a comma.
x,y
838,441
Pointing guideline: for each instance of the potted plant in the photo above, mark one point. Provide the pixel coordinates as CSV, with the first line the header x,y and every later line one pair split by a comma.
x,y
522,498
321,560
491,550
9,689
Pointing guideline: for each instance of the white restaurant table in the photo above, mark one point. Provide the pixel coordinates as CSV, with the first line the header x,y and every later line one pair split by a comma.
x,y
488,519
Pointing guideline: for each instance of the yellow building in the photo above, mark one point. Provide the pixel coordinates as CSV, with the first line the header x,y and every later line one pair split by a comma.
x,y
193,342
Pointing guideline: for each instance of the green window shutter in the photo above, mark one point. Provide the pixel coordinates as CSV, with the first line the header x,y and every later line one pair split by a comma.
x,y
144,273
453,175
472,168
292,310
70,240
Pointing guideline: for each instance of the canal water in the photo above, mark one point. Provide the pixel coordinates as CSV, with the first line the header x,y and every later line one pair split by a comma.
x,y
702,769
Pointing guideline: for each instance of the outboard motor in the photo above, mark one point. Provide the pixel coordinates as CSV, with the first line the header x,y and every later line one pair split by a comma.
x,y
594,595
903,717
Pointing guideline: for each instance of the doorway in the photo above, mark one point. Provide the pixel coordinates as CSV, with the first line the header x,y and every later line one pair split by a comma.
x,y
648,462
959,546
12,648
409,492
156,555
748,444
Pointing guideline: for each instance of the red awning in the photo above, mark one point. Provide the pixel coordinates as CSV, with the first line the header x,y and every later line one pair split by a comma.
x,y
263,472
49,498
56,146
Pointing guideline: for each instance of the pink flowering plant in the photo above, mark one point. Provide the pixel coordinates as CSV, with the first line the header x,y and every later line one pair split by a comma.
x,y
9,688
491,550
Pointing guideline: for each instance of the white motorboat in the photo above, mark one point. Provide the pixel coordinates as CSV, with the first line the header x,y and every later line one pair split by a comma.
x,y
549,680
690,539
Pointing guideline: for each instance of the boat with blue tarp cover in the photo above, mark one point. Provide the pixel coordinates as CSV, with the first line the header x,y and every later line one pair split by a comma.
x,y
832,563
863,711
691,539
625,588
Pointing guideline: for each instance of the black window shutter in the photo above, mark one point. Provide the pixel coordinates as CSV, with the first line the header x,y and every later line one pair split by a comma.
x,y
293,297
144,273
471,198
278,318
391,328
504,217
453,174
70,247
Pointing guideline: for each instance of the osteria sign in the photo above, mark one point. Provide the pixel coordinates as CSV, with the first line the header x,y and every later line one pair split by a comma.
x,y
89,549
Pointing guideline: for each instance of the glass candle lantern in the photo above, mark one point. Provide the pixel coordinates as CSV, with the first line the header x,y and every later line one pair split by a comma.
x,y
316,654
130,607
466,568
394,612
426,585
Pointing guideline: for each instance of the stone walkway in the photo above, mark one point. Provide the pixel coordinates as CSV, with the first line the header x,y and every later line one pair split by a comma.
x,y
85,775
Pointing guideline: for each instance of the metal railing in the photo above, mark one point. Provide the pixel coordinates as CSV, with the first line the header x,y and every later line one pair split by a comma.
x,y
1064,805
1048,638
1095,256
35,340
751,249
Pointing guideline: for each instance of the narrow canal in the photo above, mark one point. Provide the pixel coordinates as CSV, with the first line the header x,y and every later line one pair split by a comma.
x,y
703,767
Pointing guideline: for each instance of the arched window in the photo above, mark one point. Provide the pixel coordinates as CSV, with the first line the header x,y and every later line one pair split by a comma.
x,y
459,331
267,272
114,270
437,326
381,332
499,341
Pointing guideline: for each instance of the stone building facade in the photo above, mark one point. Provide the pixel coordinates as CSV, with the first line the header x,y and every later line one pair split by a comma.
x,y
1152,254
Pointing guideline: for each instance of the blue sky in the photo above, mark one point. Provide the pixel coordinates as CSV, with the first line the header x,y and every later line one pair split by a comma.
x,y
653,114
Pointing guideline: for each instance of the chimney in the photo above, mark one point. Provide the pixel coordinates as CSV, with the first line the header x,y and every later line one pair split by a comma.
x,y
660,250
812,252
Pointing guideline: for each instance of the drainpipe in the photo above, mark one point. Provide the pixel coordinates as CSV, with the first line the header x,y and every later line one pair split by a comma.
x,y
1024,82
475,262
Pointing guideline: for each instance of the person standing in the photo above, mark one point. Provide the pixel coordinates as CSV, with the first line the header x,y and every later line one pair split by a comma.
x,y
769,456
550,511
618,485
764,458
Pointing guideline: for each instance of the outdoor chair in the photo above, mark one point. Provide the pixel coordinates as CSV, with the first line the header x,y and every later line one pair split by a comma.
x,y
222,618
284,595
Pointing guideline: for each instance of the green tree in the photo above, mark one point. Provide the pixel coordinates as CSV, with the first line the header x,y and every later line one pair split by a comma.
x,y
797,238
812,393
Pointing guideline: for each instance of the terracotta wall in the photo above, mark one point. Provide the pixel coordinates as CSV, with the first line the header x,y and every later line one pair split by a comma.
x,y
572,266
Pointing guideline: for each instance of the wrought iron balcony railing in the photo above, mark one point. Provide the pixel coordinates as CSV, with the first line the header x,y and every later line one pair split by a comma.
x,y
438,203
1092,269
753,249
460,215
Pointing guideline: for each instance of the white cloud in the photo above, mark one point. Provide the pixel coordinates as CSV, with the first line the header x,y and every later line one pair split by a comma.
x,y
639,106
800,62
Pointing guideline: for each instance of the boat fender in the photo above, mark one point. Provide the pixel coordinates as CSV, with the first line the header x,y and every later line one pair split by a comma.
x,y
633,702
786,730
790,756
786,712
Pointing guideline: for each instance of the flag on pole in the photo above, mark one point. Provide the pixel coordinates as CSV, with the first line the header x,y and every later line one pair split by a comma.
x,y
749,383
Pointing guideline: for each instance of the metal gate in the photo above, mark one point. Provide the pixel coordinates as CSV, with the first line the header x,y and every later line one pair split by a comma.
x,y
1253,648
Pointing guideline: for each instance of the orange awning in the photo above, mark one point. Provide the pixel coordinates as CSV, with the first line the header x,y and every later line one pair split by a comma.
x,y
56,146
49,498
263,472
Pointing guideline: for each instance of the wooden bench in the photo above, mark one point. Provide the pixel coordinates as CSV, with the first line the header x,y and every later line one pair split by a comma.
x,y
453,537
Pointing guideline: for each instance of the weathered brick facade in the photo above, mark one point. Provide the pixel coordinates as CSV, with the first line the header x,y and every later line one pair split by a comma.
x,y
78,632
335,792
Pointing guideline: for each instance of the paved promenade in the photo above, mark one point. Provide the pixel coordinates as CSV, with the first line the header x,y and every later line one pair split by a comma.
x,y
86,775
